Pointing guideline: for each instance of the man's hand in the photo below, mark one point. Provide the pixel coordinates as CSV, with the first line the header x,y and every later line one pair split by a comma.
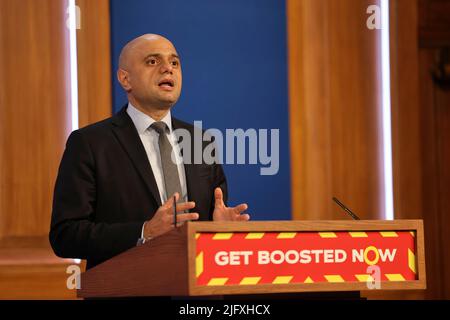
x,y
223,213
163,219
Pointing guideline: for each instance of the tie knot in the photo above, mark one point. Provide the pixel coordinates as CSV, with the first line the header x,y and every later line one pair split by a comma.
x,y
159,126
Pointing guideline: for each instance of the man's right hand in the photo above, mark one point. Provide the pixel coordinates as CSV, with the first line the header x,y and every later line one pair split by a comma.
x,y
163,220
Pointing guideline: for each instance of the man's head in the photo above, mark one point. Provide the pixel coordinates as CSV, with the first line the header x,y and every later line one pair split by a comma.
x,y
150,72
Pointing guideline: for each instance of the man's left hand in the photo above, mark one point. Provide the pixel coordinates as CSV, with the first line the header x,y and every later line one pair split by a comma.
x,y
224,213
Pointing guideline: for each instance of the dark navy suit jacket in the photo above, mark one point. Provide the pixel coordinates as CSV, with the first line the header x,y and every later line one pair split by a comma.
x,y
105,190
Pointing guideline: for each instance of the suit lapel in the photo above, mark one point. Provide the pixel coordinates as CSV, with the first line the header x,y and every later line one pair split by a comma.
x,y
189,170
128,137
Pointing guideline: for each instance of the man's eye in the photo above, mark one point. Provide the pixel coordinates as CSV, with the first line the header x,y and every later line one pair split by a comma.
x,y
175,63
151,61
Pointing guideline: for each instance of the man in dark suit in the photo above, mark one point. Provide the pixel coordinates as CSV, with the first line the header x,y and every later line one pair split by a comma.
x,y
116,187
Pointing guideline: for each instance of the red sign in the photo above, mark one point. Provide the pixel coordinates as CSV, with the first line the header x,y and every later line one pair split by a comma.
x,y
304,257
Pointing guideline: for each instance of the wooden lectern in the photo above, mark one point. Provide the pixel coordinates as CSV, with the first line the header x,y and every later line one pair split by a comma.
x,y
236,258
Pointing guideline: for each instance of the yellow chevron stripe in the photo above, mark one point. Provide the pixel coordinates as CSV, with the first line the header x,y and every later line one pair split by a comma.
x,y
411,260
388,234
217,281
199,264
358,234
363,277
223,236
308,280
395,277
286,235
413,234
328,234
282,279
334,278
197,235
255,235
250,280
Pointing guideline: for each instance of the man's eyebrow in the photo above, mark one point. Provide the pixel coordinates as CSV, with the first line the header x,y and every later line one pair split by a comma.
x,y
159,55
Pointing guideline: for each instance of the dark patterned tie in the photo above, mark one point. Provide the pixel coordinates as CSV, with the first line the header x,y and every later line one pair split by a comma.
x,y
170,169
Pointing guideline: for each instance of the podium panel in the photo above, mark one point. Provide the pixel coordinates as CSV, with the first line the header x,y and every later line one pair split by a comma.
x,y
342,256
270,257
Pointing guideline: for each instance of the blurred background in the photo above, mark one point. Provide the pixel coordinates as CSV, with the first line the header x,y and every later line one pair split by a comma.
x,y
359,90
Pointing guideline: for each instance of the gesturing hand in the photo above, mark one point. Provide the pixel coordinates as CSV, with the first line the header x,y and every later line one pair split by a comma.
x,y
162,221
224,213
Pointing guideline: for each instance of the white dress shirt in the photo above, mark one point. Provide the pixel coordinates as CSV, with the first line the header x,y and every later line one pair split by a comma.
x,y
149,138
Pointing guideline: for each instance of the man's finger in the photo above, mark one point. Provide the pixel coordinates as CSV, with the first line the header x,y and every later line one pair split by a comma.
x,y
242,207
187,216
218,195
185,206
243,217
169,202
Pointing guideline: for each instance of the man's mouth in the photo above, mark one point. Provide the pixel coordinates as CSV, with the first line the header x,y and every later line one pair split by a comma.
x,y
166,84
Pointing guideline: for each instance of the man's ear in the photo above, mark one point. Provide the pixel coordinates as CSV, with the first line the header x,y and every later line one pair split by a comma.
x,y
124,79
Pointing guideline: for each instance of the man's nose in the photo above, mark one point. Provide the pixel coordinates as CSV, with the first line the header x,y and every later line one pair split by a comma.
x,y
166,67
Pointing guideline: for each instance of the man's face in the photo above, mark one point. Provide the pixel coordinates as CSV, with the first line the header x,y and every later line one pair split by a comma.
x,y
154,73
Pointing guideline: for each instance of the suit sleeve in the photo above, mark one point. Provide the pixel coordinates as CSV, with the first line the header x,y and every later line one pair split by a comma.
x,y
74,232
220,181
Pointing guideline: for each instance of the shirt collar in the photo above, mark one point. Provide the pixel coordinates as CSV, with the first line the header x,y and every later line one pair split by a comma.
x,y
142,121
